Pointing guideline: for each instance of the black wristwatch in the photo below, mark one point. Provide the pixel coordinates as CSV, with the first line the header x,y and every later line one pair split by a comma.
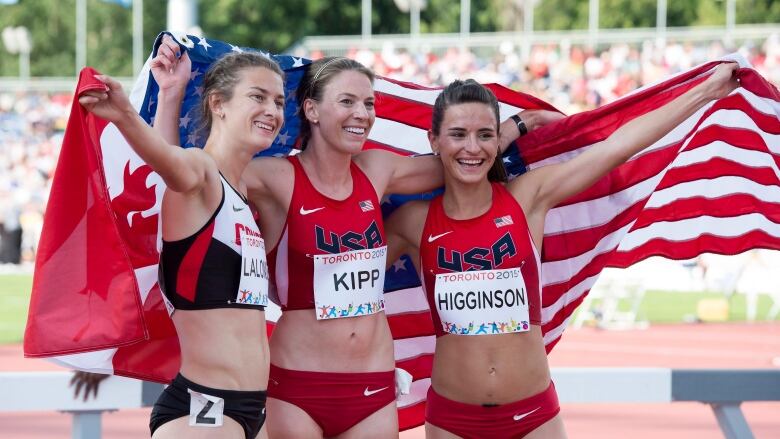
x,y
520,124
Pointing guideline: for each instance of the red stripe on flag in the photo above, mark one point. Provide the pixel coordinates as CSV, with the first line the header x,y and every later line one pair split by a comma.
x,y
419,366
694,247
410,324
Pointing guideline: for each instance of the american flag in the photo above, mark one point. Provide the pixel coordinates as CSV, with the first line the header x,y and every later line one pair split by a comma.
x,y
710,185
505,220
366,206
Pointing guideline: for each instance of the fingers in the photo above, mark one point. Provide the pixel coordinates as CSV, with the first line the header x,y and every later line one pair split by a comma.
x,y
162,61
169,48
168,54
91,98
79,384
94,386
169,43
113,84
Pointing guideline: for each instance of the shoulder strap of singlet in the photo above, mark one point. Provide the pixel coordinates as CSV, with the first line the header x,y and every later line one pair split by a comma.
x,y
360,178
506,197
225,182
434,207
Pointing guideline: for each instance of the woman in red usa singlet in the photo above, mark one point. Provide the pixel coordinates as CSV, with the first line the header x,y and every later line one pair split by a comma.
x,y
213,269
479,245
332,369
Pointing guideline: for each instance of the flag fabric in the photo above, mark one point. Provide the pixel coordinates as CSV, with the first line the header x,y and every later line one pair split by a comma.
x,y
709,185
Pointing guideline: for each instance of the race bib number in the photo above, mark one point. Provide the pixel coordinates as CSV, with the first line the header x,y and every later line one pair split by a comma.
x,y
349,284
253,288
482,302
205,410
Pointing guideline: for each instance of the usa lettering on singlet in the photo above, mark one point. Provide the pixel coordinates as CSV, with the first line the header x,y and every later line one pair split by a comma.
x,y
337,247
480,275
482,302
349,284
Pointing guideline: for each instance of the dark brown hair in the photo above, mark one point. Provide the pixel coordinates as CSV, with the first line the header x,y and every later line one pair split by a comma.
x,y
318,75
463,92
222,77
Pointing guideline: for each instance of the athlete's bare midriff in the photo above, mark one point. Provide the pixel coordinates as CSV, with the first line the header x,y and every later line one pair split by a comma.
x,y
355,344
490,369
224,348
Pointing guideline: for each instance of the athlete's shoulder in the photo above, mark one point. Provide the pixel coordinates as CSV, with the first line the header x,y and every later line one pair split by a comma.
x,y
263,172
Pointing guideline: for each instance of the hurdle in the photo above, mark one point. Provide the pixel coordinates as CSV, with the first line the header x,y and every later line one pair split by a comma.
x,y
723,389
51,391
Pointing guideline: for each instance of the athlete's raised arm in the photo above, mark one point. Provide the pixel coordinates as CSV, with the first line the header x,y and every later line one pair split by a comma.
x,y
182,170
545,187
171,70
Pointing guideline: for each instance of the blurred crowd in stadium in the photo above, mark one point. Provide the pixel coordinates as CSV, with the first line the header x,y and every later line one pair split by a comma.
x,y
572,78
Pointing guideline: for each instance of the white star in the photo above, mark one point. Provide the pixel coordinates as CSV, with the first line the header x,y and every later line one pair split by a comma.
x,y
149,107
399,265
192,138
236,49
298,62
204,43
512,176
284,138
265,54
280,154
184,121
385,200
151,121
507,160
194,74
199,91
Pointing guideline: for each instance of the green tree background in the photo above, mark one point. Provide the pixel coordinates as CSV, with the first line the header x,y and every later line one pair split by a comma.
x,y
278,24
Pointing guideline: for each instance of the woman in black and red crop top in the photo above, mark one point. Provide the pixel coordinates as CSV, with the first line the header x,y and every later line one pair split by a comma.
x,y
213,269
479,246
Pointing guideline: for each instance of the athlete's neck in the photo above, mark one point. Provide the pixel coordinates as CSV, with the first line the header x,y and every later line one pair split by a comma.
x,y
465,201
327,169
230,157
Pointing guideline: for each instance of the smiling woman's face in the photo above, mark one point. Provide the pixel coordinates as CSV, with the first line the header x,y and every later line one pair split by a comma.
x,y
346,111
467,141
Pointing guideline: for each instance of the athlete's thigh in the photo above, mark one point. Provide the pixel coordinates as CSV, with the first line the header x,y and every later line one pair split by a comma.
x,y
381,424
434,432
552,429
285,420
180,428
263,433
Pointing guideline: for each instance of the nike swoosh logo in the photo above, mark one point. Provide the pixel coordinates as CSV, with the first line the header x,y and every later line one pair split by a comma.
x,y
521,416
306,212
371,392
237,209
432,238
